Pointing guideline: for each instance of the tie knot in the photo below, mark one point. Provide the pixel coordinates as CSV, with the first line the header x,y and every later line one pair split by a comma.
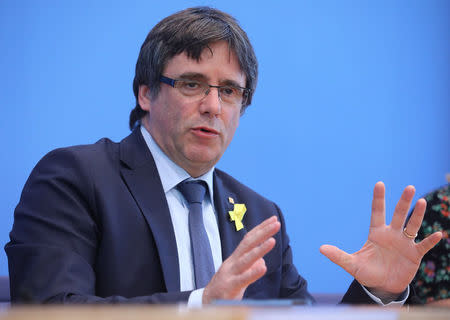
x,y
193,191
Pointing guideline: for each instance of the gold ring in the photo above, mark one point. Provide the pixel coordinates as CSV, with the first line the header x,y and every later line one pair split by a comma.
x,y
411,236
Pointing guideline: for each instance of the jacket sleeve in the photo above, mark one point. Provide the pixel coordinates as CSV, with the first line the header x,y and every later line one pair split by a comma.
x,y
293,285
54,240
356,295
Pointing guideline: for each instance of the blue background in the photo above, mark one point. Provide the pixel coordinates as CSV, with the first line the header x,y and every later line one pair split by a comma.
x,y
350,92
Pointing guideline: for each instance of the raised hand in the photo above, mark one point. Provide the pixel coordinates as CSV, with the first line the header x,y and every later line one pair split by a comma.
x,y
390,258
245,265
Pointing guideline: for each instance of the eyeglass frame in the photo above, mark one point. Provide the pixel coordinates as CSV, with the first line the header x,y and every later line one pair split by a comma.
x,y
245,91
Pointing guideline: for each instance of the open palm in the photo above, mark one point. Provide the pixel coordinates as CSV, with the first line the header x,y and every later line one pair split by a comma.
x,y
389,259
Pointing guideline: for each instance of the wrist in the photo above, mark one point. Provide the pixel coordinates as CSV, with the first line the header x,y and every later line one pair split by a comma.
x,y
386,296
205,296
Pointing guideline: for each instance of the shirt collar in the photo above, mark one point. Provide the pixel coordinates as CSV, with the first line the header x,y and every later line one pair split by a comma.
x,y
170,173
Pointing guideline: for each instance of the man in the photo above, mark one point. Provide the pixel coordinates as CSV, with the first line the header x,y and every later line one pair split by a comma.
x,y
150,219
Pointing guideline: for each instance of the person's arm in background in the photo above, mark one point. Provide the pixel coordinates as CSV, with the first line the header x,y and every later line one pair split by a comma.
x,y
432,280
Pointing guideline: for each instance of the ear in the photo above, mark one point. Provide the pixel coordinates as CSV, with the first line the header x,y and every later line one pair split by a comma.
x,y
144,97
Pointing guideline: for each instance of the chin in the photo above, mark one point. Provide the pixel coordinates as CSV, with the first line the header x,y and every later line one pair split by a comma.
x,y
204,157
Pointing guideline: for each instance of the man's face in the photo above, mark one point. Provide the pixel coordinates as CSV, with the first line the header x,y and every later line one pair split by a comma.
x,y
195,134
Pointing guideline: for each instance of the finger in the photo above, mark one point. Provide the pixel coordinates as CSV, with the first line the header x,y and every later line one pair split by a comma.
x,y
429,242
257,235
266,222
402,208
248,259
256,271
415,221
378,206
339,257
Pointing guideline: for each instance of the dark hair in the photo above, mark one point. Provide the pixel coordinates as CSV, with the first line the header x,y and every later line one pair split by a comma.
x,y
190,31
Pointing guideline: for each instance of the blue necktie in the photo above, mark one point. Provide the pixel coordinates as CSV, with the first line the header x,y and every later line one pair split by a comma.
x,y
194,193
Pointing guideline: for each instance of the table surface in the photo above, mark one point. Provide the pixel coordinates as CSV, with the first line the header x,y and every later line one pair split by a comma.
x,y
124,312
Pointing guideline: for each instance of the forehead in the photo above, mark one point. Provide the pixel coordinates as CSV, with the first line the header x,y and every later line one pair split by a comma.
x,y
218,63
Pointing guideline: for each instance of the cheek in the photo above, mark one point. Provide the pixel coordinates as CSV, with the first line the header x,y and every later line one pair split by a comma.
x,y
233,123
172,117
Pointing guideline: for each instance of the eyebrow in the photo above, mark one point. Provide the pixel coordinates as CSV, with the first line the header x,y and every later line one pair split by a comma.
x,y
201,77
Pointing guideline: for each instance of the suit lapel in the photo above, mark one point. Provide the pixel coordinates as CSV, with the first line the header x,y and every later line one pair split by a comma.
x,y
229,237
139,172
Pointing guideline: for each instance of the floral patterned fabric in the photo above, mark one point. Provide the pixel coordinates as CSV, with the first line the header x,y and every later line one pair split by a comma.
x,y
432,281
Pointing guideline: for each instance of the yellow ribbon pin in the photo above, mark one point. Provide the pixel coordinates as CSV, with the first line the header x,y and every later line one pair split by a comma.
x,y
237,215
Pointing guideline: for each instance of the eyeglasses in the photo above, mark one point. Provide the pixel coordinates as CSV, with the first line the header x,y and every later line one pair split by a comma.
x,y
197,90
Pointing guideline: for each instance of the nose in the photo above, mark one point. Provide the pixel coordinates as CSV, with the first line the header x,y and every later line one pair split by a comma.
x,y
211,103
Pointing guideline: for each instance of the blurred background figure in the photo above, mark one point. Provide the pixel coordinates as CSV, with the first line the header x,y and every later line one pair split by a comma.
x,y
432,281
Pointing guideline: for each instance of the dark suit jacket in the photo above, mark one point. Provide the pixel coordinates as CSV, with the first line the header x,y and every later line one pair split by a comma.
x,y
93,225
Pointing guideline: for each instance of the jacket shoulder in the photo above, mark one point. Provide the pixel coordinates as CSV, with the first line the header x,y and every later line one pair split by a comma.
x,y
103,146
104,150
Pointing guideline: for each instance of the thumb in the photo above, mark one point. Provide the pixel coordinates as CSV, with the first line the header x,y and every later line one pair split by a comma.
x,y
339,257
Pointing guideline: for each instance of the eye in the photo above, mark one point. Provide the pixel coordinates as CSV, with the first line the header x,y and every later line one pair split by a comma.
x,y
191,85
229,91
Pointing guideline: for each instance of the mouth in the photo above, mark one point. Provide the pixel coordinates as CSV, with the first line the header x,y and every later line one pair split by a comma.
x,y
205,131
